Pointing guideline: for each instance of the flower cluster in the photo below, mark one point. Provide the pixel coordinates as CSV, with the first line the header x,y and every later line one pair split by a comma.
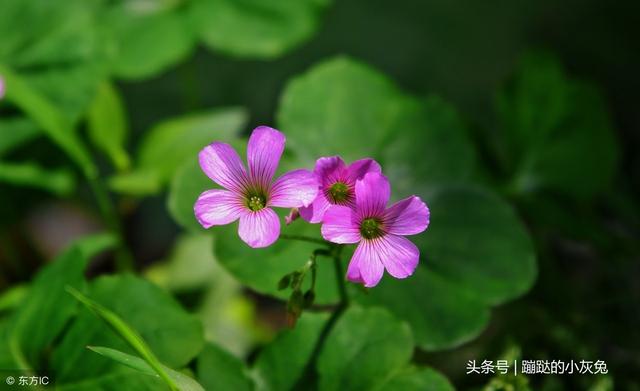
x,y
350,201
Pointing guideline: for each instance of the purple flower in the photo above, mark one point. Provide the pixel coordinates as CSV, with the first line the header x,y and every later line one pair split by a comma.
x,y
337,184
378,230
249,195
1,88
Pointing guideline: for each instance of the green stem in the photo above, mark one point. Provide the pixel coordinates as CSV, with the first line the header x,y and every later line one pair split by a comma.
x,y
342,286
303,238
310,369
124,259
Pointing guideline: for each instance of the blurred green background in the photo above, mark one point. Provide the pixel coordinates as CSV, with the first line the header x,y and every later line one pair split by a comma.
x,y
533,104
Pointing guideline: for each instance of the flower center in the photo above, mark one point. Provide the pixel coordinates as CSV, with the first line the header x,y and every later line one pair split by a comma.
x,y
371,228
339,193
255,202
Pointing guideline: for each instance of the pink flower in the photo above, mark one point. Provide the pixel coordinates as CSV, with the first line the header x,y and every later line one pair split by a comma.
x,y
1,88
249,195
378,230
337,184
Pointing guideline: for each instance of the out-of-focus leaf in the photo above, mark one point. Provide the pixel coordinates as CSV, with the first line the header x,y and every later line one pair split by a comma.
x,y
557,131
15,132
61,55
275,261
173,335
58,181
123,378
190,265
220,370
417,379
344,107
108,126
474,255
140,183
128,334
228,316
255,28
11,298
169,144
52,122
183,382
281,363
364,348
29,336
147,40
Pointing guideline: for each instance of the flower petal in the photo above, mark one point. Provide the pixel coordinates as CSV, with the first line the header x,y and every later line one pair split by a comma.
x,y
329,170
368,263
315,212
259,229
407,217
398,255
353,271
263,153
372,194
294,189
222,164
359,168
340,225
218,207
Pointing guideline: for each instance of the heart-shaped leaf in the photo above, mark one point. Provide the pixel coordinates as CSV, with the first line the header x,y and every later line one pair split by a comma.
x,y
255,28
557,130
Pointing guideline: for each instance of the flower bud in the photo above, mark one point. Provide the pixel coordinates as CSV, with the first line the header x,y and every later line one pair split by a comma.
x,y
309,298
284,282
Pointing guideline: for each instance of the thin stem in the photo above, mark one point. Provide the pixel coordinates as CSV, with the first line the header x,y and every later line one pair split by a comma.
x,y
342,287
124,259
310,369
303,238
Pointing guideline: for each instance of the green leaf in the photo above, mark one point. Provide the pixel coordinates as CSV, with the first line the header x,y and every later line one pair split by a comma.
x,y
58,181
107,125
190,265
261,269
254,28
220,370
174,336
343,107
364,348
29,336
13,297
281,363
61,50
52,122
15,132
557,131
122,379
474,255
147,41
139,183
183,382
227,314
126,333
171,143
417,379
